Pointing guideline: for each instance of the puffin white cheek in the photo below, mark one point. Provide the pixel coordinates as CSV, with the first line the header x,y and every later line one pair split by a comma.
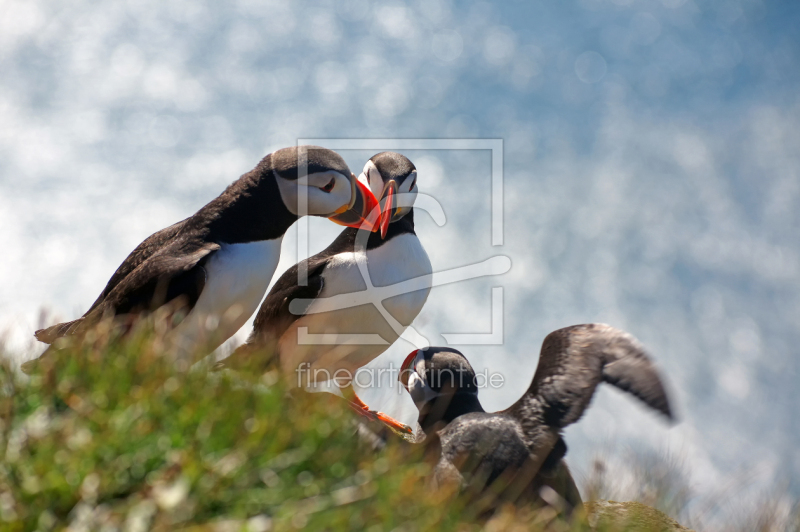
x,y
288,191
404,203
417,390
343,192
411,197
321,203
374,179
317,201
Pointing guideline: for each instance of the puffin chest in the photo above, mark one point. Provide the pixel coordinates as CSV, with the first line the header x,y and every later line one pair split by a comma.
x,y
400,259
239,274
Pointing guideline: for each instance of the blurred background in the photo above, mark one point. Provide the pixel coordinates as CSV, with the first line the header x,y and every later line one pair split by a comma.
x,y
651,155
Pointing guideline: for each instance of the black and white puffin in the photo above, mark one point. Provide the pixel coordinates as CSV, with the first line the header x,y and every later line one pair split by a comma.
x,y
290,310
218,263
519,450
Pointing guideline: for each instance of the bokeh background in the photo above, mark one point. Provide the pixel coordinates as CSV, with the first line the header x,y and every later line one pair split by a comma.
x,y
651,155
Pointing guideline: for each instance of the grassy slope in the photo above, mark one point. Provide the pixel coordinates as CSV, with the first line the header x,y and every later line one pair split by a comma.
x,y
111,437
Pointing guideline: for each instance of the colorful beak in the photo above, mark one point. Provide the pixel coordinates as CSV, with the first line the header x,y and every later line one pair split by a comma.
x,y
405,369
387,196
363,211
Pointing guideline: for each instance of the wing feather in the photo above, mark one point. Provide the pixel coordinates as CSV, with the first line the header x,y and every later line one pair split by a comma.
x,y
574,360
158,279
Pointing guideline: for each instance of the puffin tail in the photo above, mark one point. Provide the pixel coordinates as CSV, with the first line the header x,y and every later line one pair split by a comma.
x,y
52,333
34,365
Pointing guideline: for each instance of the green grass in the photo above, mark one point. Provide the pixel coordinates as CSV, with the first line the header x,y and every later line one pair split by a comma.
x,y
109,436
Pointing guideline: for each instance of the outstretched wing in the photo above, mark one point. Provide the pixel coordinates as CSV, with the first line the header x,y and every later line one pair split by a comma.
x,y
158,279
628,367
573,361
143,251
274,317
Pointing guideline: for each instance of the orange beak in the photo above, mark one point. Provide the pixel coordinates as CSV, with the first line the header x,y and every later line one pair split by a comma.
x,y
363,211
388,206
405,369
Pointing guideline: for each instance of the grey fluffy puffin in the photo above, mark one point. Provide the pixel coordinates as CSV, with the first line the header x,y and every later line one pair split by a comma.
x,y
216,265
510,455
291,310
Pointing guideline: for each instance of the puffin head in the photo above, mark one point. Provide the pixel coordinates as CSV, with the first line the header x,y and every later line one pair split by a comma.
x,y
435,377
329,187
392,178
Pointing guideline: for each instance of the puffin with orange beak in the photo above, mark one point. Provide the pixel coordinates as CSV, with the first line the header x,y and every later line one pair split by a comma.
x,y
215,266
509,456
320,346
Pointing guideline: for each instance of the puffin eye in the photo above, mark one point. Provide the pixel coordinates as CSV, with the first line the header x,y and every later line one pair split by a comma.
x,y
329,186
413,184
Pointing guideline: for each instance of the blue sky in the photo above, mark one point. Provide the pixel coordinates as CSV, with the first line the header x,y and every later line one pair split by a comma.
x,y
651,155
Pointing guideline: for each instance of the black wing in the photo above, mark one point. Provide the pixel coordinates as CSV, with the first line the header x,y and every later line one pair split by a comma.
x,y
143,251
573,361
163,277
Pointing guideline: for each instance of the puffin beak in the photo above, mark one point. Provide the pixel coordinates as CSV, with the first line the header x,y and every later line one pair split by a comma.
x,y
363,211
405,369
387,196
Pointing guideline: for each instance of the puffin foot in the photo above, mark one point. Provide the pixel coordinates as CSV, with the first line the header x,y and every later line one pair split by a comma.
x,y
362,409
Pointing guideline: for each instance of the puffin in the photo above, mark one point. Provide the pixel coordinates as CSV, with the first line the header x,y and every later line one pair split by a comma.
x,y
509,456
357,262
214,267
